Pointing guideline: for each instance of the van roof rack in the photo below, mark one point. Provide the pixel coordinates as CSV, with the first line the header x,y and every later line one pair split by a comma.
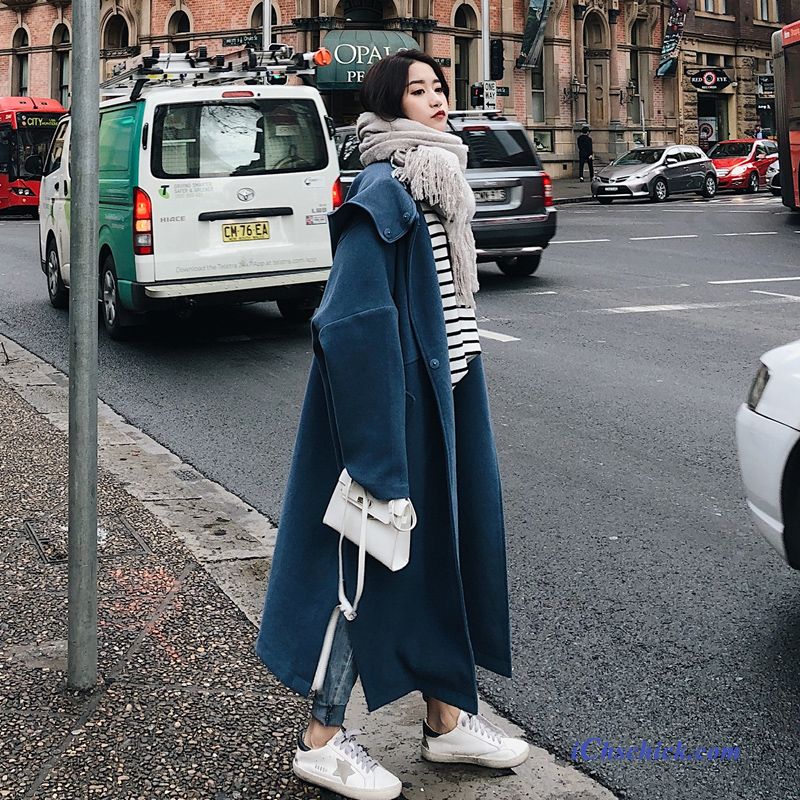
x,y
197,68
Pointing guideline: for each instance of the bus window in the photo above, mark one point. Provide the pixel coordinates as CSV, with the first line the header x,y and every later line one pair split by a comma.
x,y
5,150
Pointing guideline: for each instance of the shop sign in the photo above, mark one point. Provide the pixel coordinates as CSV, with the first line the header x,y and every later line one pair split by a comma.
x,y
710,79
766,84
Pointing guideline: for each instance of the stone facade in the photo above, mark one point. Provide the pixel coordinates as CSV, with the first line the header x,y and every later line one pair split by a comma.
x,y
597,67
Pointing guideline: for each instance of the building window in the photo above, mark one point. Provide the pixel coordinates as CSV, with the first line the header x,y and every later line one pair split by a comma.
x,y
708,5
116,34
767,10
257,21
61,65
179,25
19,67
466,55
537,91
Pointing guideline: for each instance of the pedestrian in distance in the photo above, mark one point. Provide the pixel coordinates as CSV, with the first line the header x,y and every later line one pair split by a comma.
x,y
758,133
585,153
397,396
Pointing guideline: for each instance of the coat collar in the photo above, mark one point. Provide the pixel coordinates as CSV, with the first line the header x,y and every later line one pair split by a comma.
x,y
383,197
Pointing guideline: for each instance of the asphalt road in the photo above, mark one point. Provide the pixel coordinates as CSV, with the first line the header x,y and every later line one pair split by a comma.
x,y
644,604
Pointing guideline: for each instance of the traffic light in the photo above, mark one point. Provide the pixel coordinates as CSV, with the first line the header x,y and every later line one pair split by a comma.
x,y
476,95
496,66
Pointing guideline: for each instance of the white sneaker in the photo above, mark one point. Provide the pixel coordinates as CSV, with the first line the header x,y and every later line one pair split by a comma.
x,y
345,767
474,740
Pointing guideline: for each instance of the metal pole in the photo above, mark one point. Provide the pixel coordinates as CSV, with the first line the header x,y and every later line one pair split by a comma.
x,y
266,33
485,41
84,283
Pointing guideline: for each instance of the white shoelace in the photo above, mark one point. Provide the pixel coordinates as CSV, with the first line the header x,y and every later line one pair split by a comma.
x,y
354,751
484,728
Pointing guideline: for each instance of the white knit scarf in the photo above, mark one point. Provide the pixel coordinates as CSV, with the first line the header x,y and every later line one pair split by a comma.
x,y
431,164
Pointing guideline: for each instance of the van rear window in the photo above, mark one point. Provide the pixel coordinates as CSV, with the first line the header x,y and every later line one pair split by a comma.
x,y
221,139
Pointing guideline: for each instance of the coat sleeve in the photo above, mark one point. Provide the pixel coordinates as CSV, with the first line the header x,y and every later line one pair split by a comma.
x,y
357,342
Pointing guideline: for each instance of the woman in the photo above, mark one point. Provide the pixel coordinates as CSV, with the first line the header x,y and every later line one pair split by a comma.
x,y
397,396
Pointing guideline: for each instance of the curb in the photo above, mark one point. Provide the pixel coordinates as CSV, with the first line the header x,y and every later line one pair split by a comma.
x,y
234,544
563,201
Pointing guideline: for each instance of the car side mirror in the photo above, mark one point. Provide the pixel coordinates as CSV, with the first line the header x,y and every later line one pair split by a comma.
x,y
34,166
672,160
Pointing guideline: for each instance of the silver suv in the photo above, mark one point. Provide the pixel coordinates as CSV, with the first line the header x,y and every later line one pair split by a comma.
x,y
515,218
656,173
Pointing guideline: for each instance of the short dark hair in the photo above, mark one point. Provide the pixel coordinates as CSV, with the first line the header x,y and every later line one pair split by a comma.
x,y
585,129
386,81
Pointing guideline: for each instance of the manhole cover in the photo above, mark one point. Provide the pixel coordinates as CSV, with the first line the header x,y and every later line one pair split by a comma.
x,y
115,537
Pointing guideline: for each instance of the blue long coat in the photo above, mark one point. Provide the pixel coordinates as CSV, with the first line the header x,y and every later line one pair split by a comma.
x,y
379,401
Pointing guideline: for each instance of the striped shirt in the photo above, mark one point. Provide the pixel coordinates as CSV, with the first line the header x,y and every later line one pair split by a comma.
x,y
460,323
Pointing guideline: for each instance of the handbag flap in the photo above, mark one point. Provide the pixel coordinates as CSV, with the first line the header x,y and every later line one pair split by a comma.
x,y
377,509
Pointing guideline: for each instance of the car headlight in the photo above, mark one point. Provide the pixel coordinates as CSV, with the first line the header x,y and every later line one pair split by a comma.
x,y
757,389
740,170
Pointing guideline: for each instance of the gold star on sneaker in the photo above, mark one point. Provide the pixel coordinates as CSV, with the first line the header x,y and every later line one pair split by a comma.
x,y
343,770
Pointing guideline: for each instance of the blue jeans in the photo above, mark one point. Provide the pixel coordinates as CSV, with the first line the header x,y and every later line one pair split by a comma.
x,y
331,701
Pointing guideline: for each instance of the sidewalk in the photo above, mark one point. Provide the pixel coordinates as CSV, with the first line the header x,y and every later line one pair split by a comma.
x,y
571,190
183,708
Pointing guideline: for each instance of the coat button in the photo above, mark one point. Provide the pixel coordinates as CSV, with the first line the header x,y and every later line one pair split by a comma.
x,y
406,216
434,362
387,231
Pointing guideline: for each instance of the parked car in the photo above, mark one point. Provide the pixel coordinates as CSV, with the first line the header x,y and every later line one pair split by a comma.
x,y
515,218
212,193
768,439
742,163
774,177
656,173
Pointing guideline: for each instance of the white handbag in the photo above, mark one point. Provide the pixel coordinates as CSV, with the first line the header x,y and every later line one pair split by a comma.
x,y
380,528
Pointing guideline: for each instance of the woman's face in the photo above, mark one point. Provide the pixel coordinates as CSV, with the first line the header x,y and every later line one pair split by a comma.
x,y
424,99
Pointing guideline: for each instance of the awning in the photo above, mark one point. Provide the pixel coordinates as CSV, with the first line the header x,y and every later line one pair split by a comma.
x,y
354,52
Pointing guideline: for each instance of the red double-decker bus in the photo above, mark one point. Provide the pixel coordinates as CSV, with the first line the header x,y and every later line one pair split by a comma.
x,y
26,127
786,59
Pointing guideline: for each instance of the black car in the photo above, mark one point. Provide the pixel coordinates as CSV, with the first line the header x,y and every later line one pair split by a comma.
x,y
515,218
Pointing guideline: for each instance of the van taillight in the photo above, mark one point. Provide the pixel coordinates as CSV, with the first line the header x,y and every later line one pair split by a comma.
x,y
547,185
142,223
336,193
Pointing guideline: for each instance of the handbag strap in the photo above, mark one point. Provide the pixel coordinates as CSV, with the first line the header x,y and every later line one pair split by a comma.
x,y
345,606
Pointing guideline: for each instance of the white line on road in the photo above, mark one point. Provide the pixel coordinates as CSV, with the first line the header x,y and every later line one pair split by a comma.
x,y
579,241
753,233
755,280
540,293
498,337
794,297
677,236
675,307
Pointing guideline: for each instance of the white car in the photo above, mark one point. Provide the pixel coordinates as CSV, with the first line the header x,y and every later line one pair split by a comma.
x,y
768,440
774,177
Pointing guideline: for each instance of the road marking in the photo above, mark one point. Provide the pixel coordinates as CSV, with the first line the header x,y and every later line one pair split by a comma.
x,y
580,241
753,233
650,238
675,307
755,280
540,293
794,297
498,337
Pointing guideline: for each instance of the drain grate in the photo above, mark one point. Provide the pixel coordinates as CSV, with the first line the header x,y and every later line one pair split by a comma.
x,y
115,536
186,474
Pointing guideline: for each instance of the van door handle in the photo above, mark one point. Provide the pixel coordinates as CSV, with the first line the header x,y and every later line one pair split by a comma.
x,y
66,189
56,185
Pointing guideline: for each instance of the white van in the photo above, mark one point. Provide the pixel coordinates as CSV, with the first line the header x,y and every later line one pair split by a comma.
x,y
208,194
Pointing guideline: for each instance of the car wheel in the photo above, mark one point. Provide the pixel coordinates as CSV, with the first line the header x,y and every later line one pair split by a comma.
x,y
111,307
709,187
660,191
58,293
521,266
298,309
605,201
752,183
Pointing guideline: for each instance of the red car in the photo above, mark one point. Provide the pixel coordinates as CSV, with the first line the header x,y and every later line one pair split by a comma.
x,y
742,163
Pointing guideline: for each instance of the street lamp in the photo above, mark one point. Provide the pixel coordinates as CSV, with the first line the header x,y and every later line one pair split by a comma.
x,y
628,92
572,91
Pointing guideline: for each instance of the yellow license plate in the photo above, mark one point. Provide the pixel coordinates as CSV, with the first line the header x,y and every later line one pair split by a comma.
x,y
245,231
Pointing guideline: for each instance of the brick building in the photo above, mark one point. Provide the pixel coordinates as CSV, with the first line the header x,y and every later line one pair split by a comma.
x,y
597,66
